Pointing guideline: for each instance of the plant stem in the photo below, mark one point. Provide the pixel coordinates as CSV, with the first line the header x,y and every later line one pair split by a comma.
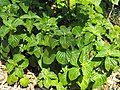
x,y
109,15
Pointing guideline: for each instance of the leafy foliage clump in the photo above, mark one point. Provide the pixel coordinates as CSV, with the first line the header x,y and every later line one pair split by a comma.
x,y
71,42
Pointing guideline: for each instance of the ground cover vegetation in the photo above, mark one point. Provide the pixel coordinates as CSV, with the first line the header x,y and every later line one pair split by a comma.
x,y
69,44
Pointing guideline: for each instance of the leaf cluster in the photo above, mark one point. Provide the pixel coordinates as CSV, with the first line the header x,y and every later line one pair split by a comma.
x,y
70,41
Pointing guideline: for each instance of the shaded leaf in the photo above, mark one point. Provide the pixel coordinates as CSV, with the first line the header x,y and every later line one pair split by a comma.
x,y
64,42
61,57
13,40
30,15
47,59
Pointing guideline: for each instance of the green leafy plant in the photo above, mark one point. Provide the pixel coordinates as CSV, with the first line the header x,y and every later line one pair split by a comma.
x,y
15,67
24,81
71,42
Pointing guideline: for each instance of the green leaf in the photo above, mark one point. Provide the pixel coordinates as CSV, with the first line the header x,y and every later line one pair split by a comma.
x,y
102,53
114,1
61,3
3,31
4,2
52,21
84,83
9,67
46,41
108,24
18,57
74,57
31,42
63,31
72,3
19,72
13,40
47,59
17,22
110,63
88,38
37,51
24,7
63,78
99,80
60,86
83,57
30,15
29,25
77,30
95,2
40,63
54,82
39,38
73,73
47,82
80,42
24,64
12,79
15,1
99,9
24,81
54,43
40,83
12,62
6,49
52,76
64,42
114,53
8,22
87,68
61,57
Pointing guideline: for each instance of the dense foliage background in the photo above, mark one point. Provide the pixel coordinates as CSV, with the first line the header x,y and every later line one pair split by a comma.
x,y
69,44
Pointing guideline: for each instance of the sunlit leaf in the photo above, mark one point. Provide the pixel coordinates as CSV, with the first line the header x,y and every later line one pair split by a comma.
x,y
19,72
24,81
77,31
73,76
18,57
74,57
110,63
3,31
